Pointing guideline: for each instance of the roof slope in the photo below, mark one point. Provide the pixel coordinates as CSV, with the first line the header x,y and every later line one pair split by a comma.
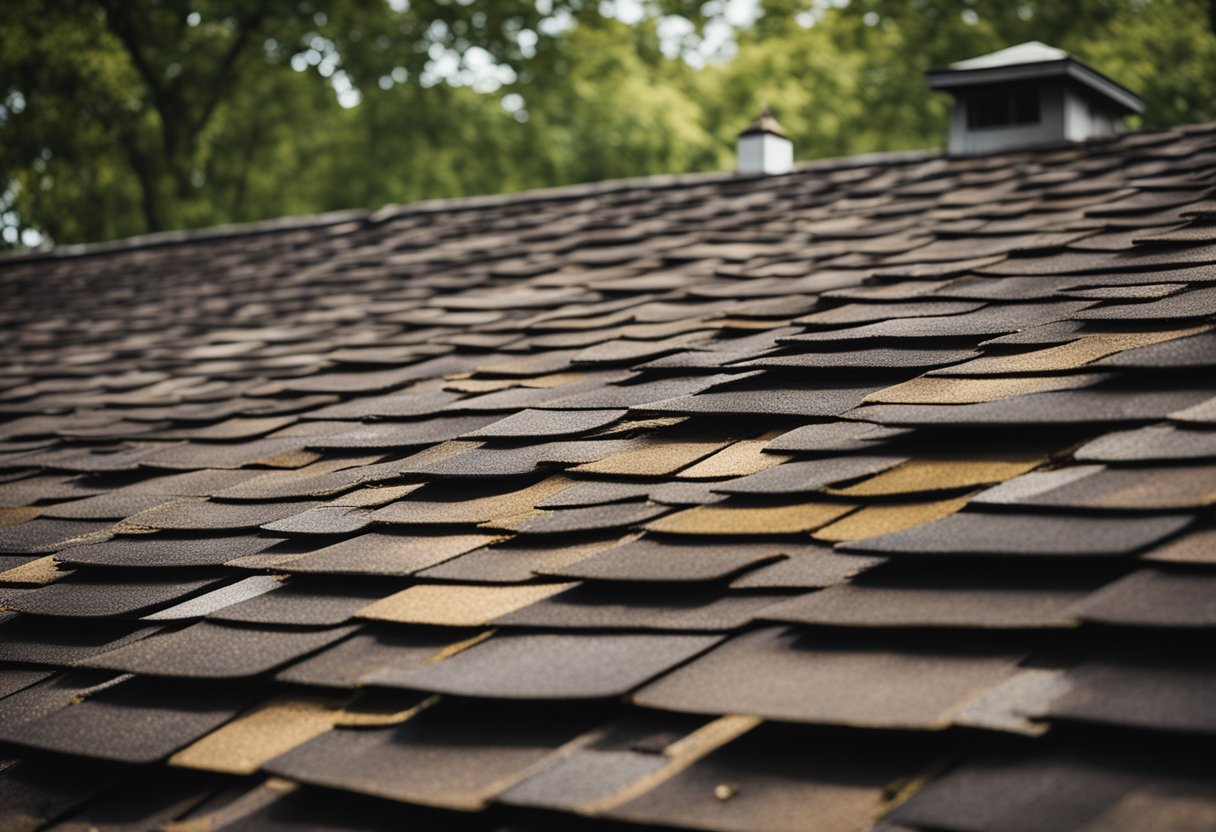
x,y
879,493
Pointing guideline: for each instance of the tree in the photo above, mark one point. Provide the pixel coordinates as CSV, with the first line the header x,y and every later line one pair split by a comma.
x,y
849,78
169,102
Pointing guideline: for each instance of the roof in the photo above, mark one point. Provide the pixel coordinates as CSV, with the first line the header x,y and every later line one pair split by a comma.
x,y
1030,52
1032,61
874,495
766,122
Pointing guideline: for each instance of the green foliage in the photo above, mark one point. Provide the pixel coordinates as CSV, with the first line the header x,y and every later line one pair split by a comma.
x,y
119,117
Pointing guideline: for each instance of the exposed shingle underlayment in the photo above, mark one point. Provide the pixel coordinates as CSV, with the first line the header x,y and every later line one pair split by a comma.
x,y
878,495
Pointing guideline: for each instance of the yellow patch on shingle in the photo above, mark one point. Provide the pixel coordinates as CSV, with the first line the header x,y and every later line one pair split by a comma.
x,y
919,476
552,380
16,516
449,605
749,520
1085,350
872,521
273,728
940,390
373,717
652,460
38,572
737,460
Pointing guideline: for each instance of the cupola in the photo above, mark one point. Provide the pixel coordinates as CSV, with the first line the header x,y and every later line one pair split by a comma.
x,y
1027,95
764,148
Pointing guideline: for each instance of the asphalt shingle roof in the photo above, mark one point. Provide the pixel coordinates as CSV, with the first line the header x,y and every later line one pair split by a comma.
x,y
877,495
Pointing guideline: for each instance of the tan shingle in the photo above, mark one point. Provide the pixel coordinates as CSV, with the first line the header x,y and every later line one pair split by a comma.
x,y
457,605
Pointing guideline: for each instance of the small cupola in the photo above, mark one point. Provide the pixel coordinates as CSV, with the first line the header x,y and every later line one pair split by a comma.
x,y
1027,95
764,148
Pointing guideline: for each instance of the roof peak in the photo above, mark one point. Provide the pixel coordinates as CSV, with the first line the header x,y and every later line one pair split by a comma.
x,y
766,122
1033,62
1030,52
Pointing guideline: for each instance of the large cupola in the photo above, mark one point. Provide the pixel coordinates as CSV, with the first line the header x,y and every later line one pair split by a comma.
x,y
1028,95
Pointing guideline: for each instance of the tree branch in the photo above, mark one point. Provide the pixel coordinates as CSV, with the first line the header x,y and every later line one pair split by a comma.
x,y
120,27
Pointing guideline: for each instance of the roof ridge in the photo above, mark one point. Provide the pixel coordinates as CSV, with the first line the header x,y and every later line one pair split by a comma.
x,y
156,239
575,190
655,181
461,203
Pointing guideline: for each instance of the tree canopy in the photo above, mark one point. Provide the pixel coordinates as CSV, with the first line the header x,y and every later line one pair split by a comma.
x,y
119,117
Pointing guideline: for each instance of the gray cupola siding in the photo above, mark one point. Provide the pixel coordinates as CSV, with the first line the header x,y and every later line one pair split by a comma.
x,y
1028,95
